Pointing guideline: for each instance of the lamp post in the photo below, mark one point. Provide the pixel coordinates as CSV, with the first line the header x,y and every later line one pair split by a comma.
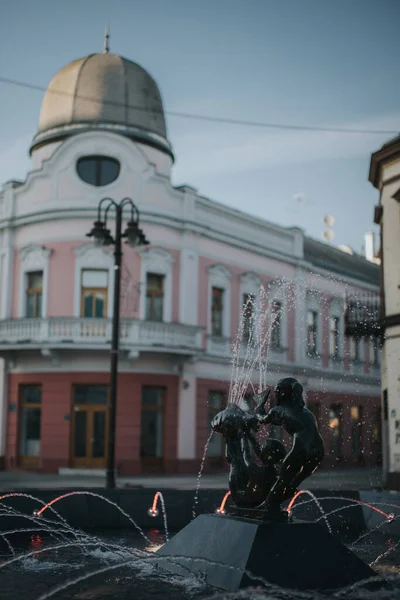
x,y
102,237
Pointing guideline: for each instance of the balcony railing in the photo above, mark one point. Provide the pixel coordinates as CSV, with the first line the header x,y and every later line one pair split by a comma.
x,y
96,333
363,315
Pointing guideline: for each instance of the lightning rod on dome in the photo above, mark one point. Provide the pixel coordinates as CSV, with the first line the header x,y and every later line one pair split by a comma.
x,y
106,48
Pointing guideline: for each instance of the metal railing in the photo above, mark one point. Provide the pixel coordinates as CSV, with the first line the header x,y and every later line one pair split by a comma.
x,y
363,314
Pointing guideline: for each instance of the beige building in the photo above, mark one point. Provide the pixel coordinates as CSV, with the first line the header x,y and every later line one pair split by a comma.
x,y
385,176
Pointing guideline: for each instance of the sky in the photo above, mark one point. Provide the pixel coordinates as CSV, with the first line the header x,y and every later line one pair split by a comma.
x,y
297,62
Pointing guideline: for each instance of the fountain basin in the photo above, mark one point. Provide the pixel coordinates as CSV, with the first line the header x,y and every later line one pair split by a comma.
x,y
88,512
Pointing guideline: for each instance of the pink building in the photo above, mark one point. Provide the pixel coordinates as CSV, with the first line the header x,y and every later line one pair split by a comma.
x,y
102,133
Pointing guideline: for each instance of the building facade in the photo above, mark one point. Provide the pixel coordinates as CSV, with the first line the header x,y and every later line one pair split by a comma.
x,y
102,134
385,177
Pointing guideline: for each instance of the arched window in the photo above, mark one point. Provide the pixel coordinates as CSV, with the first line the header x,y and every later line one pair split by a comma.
x,y
98,170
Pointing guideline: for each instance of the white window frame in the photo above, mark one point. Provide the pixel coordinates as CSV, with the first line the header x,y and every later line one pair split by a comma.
x,y
360,344
336,309
89,256
277,294
314,303
219,276
160,262
373,347
250,284
34,258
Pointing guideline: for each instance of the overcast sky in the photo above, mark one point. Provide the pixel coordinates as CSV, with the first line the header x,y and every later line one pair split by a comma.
x,y
299,62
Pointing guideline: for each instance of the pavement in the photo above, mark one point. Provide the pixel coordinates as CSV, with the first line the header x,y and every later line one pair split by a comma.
x,y
330,479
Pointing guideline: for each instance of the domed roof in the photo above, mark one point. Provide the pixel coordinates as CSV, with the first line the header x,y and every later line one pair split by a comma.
x,y
103,92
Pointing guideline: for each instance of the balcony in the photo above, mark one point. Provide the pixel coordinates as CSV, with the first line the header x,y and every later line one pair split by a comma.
x,y
91,333
362,315
219,346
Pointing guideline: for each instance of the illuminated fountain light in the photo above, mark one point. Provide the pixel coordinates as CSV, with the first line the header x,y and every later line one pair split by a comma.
x,y
49,505
154,512
324,516
221,509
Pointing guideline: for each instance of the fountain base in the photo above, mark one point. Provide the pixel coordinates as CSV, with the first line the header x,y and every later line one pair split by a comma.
x,y
258,514
298,555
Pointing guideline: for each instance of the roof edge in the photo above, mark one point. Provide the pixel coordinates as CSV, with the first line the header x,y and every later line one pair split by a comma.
x,y
388,151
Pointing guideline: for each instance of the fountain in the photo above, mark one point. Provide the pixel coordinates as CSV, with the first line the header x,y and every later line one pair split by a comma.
x,y
74,562
255,534
253,539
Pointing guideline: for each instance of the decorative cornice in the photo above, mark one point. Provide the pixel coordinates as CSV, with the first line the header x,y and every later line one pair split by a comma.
x,y
156,254
389,152
90,249
35,253
250,279
218,271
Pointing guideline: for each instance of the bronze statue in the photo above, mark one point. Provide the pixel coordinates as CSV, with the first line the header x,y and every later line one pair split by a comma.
x,y
249,482
307,450
267,485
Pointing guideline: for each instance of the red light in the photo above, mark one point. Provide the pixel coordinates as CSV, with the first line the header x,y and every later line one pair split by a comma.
x,y
221,509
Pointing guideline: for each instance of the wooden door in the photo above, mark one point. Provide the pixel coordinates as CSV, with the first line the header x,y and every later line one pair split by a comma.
x,y
89,427
29,426
152,427
89,437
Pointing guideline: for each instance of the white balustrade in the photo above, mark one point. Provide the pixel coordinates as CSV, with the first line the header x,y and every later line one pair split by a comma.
x,y
61,331
219,346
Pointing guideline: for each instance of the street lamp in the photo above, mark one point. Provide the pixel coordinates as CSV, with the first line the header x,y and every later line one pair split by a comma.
x,y
101,236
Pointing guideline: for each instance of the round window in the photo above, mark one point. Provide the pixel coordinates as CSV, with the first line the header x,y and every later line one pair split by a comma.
x,y
98,170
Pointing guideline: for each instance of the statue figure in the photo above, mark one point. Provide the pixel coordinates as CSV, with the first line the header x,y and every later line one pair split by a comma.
x,y
266,485
307,450
249,482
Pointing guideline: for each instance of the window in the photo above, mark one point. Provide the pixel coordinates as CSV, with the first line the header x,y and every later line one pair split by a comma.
x,y
98,170
356,431
355,354
248,315
334,323
152,424
30,424
217,310
276,324
312,328
154,297
377,426
216,403
373,351
90,394
335,427
34,294
94,291
385,397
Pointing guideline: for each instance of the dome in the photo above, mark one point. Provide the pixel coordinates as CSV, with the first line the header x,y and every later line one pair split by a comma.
x,y
103,92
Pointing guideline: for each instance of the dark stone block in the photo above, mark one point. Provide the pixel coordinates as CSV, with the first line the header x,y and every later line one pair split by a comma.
x,y
294,555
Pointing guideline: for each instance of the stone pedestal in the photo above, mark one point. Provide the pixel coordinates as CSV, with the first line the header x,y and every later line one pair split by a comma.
x,y
298,555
